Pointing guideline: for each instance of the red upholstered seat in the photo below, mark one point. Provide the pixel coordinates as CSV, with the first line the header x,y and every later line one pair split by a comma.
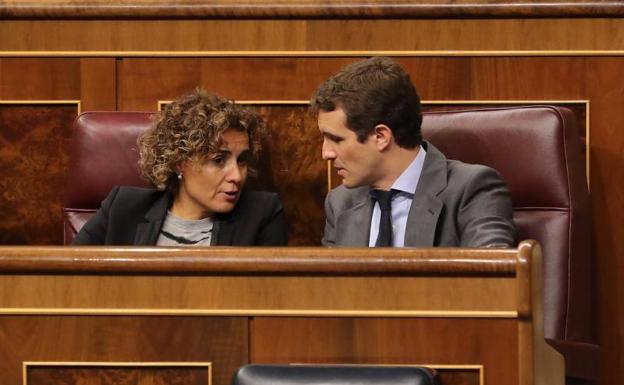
x,y
537,150
104,155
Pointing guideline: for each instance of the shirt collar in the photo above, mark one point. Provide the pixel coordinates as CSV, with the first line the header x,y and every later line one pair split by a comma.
x,y
408,180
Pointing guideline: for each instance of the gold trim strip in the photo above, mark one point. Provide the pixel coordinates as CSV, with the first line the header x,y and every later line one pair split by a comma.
x,y
265,312
109,363
423,102
269,53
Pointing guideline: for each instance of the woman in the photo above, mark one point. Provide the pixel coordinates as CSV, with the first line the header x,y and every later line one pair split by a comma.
x,y
197,154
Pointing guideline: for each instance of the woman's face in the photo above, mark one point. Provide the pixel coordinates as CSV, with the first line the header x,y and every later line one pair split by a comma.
x,y
214,185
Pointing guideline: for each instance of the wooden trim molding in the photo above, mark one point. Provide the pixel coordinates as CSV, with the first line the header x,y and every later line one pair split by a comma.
x,y
308,9
489,314
336,53
255,261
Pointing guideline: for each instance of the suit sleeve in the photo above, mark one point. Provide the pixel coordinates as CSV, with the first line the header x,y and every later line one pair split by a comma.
x,y
94,231
485,216
329,234
273,231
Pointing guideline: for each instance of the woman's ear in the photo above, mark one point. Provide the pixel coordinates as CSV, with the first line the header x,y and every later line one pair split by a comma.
x,y
383,136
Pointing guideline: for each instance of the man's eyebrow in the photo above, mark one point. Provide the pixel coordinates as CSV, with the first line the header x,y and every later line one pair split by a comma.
x,y
332,136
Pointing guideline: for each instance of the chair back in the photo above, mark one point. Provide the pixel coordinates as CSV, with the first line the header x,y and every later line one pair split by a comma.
x,y
333,375
104,154
537,151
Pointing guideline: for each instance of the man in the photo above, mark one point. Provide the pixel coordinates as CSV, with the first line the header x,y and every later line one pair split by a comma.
x,y
398,190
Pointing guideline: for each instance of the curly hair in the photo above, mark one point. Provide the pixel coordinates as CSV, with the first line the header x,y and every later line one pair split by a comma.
x,y
191,129
371,92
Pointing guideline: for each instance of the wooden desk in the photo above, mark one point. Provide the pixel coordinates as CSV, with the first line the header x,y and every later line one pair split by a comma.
x,y
473,314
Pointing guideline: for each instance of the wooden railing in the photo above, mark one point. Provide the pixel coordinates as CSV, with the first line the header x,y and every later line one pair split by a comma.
x,y
475,315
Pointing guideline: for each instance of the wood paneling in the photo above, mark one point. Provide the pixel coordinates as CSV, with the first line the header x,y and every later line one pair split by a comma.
x,y
34,154
316,313
291,165
272,9
390,341
504,73
104,375
312,35
222,341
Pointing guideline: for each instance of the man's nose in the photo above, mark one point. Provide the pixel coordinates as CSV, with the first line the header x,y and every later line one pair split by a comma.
x,y
327,151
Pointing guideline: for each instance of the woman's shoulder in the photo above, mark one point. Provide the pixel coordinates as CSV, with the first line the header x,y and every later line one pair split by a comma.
x,y
131,197
137,192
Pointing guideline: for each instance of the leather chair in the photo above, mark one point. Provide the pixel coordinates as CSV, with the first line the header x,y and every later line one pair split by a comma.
x,y
104,155
537,151
333,375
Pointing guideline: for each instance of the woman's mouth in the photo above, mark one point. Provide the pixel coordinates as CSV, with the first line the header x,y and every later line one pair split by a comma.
x,y
230,196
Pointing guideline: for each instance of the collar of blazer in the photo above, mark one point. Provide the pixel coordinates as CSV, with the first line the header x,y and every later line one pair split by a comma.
x,y
147,232
354,222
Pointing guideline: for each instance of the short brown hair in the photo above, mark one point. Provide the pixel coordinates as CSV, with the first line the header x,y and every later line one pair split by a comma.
x,y
191,128
371,92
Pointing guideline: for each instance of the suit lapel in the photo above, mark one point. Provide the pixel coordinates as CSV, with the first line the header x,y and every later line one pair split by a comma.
x,y
353,225
426,207
223,232
147,232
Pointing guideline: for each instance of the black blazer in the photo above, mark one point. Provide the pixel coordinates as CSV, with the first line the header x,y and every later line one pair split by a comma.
x,y
134,216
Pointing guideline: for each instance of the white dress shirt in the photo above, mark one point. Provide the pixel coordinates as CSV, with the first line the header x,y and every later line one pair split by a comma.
x,y
401,202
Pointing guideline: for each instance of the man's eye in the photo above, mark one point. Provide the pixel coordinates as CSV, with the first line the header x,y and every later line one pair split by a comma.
x,y
335,139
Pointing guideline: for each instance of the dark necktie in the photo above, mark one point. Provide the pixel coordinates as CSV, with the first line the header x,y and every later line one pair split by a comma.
x,y
384,198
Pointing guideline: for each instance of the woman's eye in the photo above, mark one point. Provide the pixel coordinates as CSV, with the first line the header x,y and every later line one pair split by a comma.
x,y
219,160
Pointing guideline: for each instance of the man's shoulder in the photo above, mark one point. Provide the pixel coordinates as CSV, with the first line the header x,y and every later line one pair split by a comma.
x,y
459,171
342,196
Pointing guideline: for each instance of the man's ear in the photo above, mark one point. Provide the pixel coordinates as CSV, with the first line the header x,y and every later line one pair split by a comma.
x,y
383,136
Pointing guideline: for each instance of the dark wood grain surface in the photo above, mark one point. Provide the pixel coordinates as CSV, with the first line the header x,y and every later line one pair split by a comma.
x,y
129,339
392,342
271,9
34,154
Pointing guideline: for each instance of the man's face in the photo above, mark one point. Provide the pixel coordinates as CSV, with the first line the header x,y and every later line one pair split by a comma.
x,y
355,162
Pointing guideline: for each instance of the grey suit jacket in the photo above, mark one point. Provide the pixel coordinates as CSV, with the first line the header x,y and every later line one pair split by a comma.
x,y
455,204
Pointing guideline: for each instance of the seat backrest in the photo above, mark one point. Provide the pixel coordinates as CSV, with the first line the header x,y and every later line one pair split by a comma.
x,y
104,154
333,375
537,150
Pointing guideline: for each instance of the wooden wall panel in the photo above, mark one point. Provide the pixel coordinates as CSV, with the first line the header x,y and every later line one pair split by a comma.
x,y
35,138
104,375
312,35
391,341
219,340
291,165
558,71
34,154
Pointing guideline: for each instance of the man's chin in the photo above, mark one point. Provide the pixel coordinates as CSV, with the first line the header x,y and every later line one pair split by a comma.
x,y
350,184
